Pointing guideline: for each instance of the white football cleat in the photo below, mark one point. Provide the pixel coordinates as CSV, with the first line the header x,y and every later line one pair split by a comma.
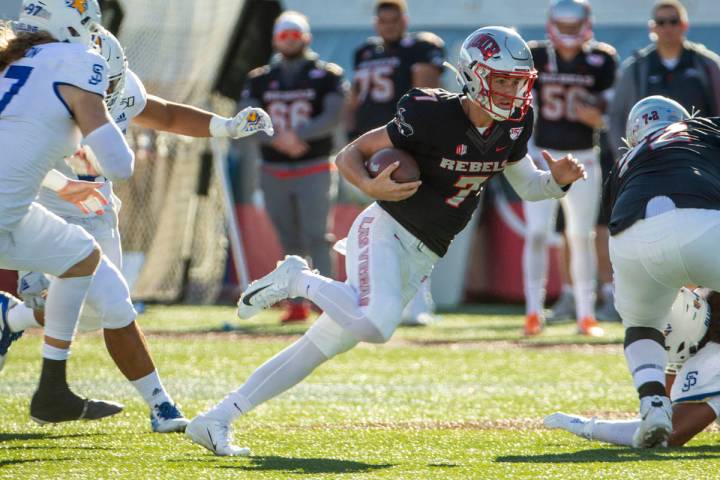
x,y
167,418
215,436
270,289
7,302
580,426
655,422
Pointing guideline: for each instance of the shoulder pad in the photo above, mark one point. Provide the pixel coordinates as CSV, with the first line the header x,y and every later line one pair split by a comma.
x,y
256,72
606,48
428,37
333,68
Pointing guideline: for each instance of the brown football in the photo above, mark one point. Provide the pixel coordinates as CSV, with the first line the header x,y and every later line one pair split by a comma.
x,y
407,171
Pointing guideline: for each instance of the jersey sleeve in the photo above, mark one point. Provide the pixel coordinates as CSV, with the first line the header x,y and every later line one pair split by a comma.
x,y
429,49
608,71
520,148
82,68
410,129
251,88
336,79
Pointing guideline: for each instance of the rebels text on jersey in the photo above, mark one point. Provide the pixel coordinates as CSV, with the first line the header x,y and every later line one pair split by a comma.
x,y
291,102
562,85
383,73
679,162
455,161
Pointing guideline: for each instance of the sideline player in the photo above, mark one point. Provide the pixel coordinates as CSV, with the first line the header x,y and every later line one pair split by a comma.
x,y
386,67
664,196
395,242
692,339
52,84
124,339
575,79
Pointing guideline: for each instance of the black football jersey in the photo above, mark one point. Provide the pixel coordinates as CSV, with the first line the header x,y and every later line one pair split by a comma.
x,y
681,162
455,162
292,102
560,85
383,74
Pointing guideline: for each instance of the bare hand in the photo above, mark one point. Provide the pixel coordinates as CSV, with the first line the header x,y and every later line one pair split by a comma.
x,y
84,195
589,115
383,187
566,170
290,144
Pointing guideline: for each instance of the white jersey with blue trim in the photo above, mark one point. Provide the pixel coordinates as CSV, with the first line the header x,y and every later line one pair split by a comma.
x,y
131,104
699,378
36,126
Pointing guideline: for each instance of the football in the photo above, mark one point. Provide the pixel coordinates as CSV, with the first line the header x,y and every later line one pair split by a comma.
x,y
407,171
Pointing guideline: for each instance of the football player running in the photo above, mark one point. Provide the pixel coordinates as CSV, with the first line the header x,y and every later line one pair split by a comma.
x,y
459,141
575,79
664,195
52,84
692,340
127,100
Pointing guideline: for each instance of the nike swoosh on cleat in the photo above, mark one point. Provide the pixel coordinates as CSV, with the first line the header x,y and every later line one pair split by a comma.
x,y
214,445
246,298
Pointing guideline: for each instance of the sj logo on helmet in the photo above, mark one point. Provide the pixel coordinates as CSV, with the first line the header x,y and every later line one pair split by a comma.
x,y
79,5
486,44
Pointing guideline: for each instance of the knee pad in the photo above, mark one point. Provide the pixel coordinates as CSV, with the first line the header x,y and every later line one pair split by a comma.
x,y
109,297
329,337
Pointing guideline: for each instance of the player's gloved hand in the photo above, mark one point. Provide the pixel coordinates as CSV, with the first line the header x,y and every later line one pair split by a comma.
x,y
32,288
83,162
383,187
565,170
84,195
248,121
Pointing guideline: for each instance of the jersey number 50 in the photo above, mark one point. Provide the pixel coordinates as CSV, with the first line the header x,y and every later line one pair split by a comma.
x,y
16,76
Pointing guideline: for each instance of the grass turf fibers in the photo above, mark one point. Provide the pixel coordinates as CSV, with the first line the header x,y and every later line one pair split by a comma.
x,y
461,399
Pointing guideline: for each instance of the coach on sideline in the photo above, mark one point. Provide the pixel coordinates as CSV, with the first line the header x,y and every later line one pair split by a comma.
x,y
671,66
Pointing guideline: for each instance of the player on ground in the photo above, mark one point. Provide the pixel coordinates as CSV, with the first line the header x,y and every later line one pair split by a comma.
x,y
459,141
665,225
52,85
692,339
386,67
127,100
575,78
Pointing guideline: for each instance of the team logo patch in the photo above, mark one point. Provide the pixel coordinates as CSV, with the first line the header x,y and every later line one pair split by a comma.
x,y
595,60
515,132
405,128
461,149
486,44
80,5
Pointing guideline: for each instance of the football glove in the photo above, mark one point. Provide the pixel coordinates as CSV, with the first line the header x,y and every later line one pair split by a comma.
x,y
247,122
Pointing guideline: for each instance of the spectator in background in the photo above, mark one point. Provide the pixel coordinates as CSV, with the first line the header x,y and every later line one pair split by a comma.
x,y
304,97
671,66
386,67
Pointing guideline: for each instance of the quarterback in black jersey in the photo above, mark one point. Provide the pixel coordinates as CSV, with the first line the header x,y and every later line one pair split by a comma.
x,y
394,244
387,66
664,194
575,79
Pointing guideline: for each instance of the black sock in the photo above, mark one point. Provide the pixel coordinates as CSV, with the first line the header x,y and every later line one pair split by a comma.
x,y
651,388
52,376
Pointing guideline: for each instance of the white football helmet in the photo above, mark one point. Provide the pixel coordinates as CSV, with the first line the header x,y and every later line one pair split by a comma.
x,y
112,51
491,53
569,14
66,20
651,114
687,324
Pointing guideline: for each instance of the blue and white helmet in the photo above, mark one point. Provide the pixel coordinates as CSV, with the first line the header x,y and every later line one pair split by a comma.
x,y
687,324
113,52
650,115
71,21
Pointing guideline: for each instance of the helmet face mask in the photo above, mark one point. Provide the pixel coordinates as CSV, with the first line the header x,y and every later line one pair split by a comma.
x,y
650,115
687,325
71,21
496,71
110,49
569,24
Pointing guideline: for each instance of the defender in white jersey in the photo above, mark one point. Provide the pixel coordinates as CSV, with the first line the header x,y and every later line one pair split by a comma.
x,y
51,100
123,336
692,338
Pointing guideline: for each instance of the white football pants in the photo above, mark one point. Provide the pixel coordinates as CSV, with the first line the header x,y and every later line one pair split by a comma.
x,y
581,206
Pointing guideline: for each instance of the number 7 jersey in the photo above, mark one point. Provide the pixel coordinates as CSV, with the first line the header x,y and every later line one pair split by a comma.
x,y
36,126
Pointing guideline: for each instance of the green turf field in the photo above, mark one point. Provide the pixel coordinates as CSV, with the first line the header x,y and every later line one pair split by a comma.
x,y
462,399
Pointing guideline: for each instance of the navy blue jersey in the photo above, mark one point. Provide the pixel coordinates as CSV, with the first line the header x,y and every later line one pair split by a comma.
x,y
292,102
561,85
681,161
455,162
383,74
